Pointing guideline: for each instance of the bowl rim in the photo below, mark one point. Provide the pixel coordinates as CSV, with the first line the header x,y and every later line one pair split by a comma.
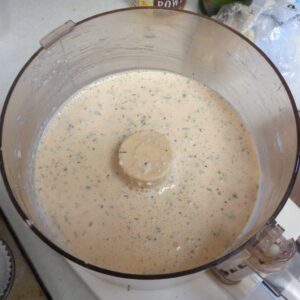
x,y
211,264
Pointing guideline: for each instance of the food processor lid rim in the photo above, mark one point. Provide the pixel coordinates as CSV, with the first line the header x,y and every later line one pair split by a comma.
x,y
152,276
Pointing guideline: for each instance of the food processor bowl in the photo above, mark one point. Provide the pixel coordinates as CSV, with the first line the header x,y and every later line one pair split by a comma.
x,y
185,43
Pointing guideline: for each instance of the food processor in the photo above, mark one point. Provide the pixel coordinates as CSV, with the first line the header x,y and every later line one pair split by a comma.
x,y
185,43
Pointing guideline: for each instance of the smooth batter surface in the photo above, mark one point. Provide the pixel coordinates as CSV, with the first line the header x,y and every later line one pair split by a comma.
x,y
189,219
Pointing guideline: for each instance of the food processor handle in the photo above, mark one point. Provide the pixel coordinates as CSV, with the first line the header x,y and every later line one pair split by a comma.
x,y
286,283
273,258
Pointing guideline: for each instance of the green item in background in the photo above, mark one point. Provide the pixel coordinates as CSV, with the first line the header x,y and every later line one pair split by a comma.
x,y
211,7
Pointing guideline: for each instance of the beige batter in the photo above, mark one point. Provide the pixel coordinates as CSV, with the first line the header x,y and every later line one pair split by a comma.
x,y
188,219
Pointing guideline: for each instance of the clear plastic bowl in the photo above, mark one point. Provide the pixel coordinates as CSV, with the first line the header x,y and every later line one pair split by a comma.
x,y
177,41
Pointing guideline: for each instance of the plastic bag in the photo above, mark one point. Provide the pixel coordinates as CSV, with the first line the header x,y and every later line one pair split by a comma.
x,y
274,26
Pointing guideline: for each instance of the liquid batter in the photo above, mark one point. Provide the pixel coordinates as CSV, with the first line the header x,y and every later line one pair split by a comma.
x,y
188,219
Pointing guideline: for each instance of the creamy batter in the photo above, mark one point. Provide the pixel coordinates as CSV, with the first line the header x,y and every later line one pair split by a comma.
x,y
190,218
